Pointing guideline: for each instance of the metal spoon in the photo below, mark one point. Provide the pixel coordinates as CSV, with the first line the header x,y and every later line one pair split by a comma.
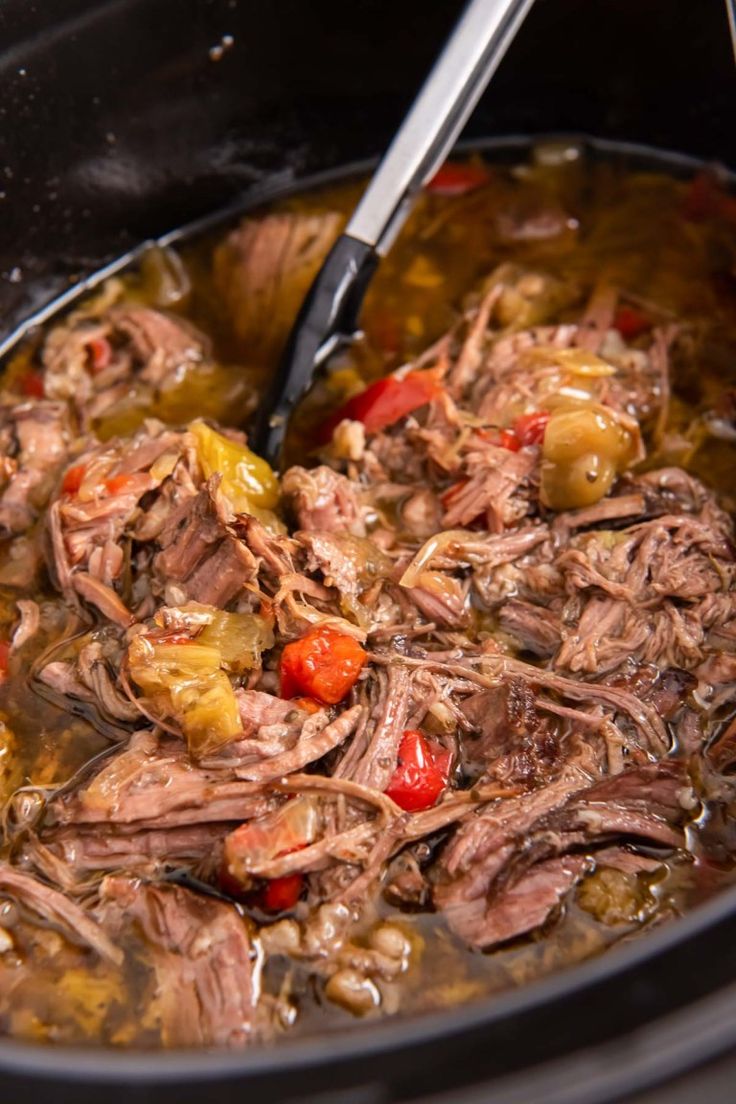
x,y
329,314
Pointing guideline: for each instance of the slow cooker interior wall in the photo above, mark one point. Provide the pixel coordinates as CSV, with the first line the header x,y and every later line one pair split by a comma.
x,y
118,124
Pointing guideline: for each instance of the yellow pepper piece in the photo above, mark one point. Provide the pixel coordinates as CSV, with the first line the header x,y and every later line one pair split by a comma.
x,y
240,638
186,682
247,480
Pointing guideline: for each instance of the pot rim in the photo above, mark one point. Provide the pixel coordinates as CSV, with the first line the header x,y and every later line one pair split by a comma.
x,y
106,1064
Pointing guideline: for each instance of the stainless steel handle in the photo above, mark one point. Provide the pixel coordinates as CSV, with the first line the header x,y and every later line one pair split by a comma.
x,y
731,14
436,118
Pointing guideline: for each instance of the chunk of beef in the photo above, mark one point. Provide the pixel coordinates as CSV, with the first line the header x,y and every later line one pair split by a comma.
x,y
161,345
34,441
146,851
263,270
93,520
499,489
89,687
387,724
346,562
500,875
642,591
442,599
200,552
520,907
57,909
508,737
536,628
153,784
323,499
201,957
259,710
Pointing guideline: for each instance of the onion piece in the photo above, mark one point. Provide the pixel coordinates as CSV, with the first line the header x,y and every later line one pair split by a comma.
x,y
440,542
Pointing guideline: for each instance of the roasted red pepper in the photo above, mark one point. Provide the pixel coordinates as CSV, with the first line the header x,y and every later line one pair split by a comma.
x,y
324,664
630,323
421,774
528,429
281,894
508,440
294,826
72,480
454,179
4,657
100,353
118,484
32,385
385,402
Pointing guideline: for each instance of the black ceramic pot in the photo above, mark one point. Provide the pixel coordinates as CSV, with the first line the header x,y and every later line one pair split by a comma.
x,y
123,119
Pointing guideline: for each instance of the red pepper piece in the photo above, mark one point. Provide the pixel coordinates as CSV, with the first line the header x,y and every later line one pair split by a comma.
x,y
32,385
630,323
385,402
448,497
454,179
509,440
529,428
324,664
281,894
4,657
100,353
421,774
118,484
73,478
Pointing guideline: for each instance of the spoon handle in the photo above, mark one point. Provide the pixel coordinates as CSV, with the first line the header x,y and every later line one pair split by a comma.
x,y
457,80
330,311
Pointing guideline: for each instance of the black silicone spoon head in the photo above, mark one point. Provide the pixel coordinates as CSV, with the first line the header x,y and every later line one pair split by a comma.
x,y
330,312
328,318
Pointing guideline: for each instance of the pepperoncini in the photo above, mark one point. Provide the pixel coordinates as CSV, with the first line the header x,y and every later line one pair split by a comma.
x,y
186,682
248,482
584,449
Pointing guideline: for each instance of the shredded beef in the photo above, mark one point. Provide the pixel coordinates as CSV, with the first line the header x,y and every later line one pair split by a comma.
x,y
499,879
201,957
323,499
251,268
93,362
34,441
200,552
56,908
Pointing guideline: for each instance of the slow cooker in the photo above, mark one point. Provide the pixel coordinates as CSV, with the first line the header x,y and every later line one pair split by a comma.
x,y
124,120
